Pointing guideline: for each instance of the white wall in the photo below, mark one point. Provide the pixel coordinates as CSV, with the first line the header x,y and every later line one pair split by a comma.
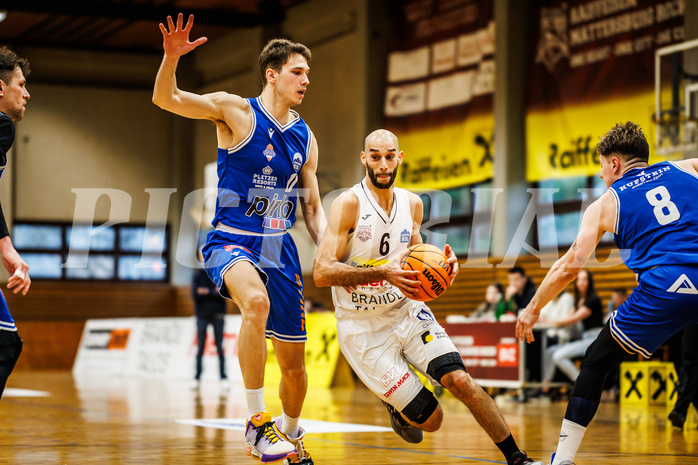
x,y
80,137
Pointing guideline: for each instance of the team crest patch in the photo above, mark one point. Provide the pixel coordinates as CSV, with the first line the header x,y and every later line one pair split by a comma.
x,y
269,152
363,233
297,161
405,236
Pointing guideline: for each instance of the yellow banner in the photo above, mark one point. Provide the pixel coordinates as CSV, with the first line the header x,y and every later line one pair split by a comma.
x,y
321,352
560,143
448,156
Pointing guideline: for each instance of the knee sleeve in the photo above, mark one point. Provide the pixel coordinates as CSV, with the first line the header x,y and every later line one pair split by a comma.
x,y
445,364
421,407
601,357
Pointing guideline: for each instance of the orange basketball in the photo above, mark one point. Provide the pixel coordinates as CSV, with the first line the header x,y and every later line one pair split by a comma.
x,y
435,273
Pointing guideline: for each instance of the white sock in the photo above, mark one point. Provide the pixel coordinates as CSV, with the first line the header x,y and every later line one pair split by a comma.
x,y
571,435
255,401
289,425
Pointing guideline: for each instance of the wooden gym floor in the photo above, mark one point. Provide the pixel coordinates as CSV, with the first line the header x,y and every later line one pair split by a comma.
x,y
132,421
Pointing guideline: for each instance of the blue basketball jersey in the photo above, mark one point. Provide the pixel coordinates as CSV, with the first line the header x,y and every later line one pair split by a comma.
x,y
258,178
656,216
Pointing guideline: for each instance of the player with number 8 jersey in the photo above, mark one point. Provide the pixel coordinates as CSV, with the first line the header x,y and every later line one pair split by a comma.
x,y
656,221
652,212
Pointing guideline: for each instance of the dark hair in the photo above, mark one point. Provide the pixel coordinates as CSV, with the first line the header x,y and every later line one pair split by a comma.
x,y
276,54
591,289
9,61
626,140
620,290
499,287
517,269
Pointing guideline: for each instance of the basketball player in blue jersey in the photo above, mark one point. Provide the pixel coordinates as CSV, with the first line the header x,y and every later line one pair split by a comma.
x,y
267,157
654,216
380,329
13,99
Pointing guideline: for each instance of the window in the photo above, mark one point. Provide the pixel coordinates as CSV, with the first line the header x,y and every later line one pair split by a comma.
x,y
573,194
117,253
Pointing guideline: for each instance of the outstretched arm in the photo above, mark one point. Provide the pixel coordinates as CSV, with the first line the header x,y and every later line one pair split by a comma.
x,y
166,94
330,271
595,222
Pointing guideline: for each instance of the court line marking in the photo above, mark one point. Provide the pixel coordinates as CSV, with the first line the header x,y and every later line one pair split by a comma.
x,y
310,426
17,392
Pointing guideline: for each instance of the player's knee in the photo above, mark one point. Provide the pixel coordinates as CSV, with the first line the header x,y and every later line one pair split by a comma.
x,y
296,376
256,309
424,410
460,384
433,423
445,364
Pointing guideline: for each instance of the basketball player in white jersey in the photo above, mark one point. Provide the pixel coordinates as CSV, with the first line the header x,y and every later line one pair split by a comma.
x,y
381,330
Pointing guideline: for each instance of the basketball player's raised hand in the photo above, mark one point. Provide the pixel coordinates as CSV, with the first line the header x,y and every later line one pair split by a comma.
x,y
175,39
453,261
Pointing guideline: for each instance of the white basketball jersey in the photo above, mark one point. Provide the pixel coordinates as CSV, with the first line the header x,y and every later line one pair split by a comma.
x,y
377,239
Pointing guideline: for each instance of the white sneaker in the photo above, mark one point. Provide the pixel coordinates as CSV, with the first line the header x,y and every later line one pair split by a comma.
x,y
264,442
303,456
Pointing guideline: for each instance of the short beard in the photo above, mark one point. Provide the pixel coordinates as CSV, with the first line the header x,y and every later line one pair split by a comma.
x,y
15,115
374,179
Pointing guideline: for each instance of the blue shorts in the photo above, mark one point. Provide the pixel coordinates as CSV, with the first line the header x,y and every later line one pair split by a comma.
x,y
664,302
6,321
276,261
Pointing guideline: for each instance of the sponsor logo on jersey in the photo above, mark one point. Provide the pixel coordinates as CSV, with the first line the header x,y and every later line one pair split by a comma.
x,y
427,337
365,217
397,385
369,300
363,233
424,315
683,285
275,211
297,161
269,152
389,377
405,236
267,170
264,181
234,249
271,132
643,178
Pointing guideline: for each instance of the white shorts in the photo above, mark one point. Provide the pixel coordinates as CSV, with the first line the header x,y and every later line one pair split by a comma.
x,y
381,347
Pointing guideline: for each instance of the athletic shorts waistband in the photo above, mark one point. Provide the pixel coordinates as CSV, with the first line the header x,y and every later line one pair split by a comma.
x,y
229,229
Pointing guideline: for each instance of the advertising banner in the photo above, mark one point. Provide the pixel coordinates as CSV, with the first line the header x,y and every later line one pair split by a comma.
x,y
439,92
591,65
154,348
490,352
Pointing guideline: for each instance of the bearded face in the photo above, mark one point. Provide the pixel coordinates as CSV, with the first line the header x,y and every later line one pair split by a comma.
x,y
382,181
